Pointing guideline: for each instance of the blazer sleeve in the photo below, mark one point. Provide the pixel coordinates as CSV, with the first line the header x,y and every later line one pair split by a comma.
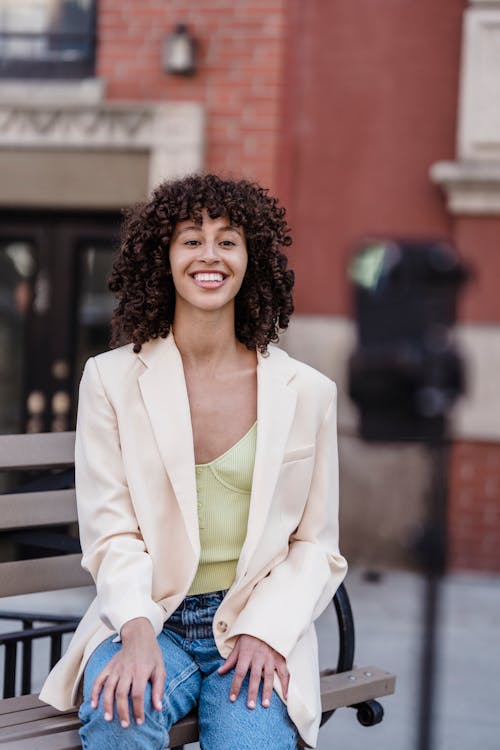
x,y
113,549
283,605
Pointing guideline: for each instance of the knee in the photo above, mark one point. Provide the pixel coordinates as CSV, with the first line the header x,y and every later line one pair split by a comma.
x,y
97,733
234,726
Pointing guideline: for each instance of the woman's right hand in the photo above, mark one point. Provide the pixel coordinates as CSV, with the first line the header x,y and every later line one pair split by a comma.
x,y
128,672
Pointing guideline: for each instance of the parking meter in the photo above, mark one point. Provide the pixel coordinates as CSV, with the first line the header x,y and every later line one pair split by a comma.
x,y
404,376
406,371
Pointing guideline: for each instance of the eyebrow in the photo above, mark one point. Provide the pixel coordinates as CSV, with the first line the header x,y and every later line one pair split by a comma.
x,y
221,229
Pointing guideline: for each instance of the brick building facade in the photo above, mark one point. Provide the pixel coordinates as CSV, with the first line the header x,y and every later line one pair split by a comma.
x,y
358,117
241,56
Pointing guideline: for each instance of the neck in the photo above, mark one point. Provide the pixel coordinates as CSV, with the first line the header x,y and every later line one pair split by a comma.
x,y
206,340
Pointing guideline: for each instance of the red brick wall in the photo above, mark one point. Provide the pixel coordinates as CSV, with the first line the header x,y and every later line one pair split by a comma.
x,y
478,240
240,78
340,108
371,103
474,507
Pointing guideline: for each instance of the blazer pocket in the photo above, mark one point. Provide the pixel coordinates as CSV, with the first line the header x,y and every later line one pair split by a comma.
x,y
298,453
293,486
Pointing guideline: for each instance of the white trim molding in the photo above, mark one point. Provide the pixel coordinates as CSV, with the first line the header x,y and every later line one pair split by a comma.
x,y
85,91
471,187
472,183
484,3
479,102
172,133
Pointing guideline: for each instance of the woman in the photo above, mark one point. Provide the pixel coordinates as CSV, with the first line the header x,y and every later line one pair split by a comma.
x,y
206,476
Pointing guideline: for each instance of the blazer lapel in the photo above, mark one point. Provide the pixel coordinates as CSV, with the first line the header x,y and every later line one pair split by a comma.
x,y
163,388
275,411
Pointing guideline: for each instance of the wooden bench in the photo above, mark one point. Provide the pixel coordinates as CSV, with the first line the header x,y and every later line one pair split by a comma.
x,y
26,722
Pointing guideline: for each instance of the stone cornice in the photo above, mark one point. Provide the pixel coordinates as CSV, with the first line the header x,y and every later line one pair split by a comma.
x,y
172,133
110,126
472,183
471,187
85,91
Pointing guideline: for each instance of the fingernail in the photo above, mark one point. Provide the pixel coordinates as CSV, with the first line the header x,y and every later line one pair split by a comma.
x,y
251,704
139,721
93,704
107,716
232,697
124,724
265,702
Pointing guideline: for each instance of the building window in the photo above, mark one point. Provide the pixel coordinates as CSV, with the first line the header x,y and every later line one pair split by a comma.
x,y
47,38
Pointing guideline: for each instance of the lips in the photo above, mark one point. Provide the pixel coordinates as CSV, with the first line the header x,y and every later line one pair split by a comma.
x,y
209,279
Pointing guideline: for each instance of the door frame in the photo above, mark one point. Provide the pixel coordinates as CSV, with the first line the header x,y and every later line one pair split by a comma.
x,y
51,335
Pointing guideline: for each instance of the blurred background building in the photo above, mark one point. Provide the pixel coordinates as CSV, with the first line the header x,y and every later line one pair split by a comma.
x,y
365,118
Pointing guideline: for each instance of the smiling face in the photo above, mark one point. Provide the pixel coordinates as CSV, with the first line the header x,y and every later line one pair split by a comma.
x,y
208,263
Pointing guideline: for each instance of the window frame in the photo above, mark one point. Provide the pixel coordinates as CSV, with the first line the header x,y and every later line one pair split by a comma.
x,y
33,68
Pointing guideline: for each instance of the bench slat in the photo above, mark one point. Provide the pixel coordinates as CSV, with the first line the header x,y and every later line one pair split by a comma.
x,y
42,450
41,719
42,574
358,685
38,719
35,733
59,741
21,703
48,725
25,716
26,509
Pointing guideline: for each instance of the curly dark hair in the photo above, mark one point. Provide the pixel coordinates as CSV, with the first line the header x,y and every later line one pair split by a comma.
x,y
140,276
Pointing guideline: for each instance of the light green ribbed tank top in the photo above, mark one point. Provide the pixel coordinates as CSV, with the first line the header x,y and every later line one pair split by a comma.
x,y
223,488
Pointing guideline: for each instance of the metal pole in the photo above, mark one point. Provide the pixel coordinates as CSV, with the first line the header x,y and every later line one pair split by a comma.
x,y
434,562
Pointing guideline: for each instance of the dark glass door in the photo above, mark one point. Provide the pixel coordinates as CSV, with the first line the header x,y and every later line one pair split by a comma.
x,y
54,313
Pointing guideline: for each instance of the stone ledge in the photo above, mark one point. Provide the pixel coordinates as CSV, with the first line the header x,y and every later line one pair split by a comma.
x,y
172,133
485,3
85,91
471,187
110,125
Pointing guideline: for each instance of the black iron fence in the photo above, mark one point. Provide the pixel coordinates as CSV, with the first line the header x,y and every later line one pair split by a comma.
x,y
18,646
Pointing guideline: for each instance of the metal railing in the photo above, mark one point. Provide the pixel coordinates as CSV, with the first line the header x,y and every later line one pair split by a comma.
x,y
25,637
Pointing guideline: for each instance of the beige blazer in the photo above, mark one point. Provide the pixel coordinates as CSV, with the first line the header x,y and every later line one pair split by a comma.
x,y
137,506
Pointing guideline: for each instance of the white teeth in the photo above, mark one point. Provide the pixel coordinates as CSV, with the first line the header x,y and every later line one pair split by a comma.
x,y
209,277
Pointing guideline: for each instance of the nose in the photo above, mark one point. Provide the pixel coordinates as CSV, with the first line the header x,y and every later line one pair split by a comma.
x,y
209,252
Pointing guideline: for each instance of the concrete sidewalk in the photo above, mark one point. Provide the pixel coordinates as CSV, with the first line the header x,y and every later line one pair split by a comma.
x,y
388,631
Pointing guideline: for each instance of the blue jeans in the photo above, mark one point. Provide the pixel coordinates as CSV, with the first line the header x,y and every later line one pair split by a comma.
x,y
191,662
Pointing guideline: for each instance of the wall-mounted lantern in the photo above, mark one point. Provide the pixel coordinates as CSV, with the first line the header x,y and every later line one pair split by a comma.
x,y
179,52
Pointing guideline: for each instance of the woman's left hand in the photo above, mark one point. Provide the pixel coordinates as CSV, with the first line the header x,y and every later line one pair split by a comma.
x,y
252,654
